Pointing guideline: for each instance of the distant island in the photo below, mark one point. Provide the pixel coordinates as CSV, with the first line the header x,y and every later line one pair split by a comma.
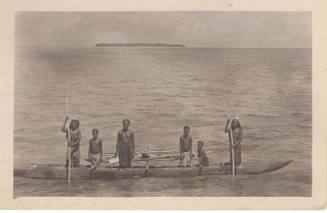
x,y
138,45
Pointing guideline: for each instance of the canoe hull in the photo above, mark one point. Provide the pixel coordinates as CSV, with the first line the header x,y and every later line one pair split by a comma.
x,y
59,172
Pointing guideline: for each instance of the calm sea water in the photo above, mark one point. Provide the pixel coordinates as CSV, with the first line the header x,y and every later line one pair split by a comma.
x,y
160,90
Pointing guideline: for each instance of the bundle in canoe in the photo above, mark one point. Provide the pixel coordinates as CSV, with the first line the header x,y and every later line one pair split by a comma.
x,y
153,155
59,172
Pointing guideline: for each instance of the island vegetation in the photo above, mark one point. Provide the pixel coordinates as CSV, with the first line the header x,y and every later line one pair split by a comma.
x,y
138,45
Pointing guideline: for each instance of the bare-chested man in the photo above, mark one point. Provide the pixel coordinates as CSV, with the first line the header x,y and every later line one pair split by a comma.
x,y
73,133
185,148
125,145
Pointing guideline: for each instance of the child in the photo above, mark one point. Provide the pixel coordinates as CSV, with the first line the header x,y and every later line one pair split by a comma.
x,y
95,150
73,133
203,159
185,148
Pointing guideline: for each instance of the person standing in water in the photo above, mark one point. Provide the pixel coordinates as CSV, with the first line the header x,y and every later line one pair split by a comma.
x,y
185,148
125,145
235,133
73,153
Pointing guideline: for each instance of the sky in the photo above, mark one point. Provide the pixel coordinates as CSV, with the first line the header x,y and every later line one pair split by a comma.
x,y
193,29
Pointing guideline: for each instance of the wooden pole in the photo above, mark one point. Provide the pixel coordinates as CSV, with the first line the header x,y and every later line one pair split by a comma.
x,y
69,147
147,164
232,142
233,153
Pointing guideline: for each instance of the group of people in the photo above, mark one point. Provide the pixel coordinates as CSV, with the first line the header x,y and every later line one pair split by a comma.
x,y
233,128
125,147
185,150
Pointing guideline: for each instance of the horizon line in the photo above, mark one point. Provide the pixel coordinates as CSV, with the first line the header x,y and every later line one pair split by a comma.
x,y
204,47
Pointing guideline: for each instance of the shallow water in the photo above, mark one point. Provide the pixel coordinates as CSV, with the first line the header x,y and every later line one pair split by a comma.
x,y
161,90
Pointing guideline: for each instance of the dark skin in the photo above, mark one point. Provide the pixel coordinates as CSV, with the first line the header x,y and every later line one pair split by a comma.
x,y
200,145
233,125
73,127
63,129
125,126
95,138
186,134
125,129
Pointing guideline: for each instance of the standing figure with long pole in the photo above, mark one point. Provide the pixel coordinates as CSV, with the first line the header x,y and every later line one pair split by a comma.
x,y
234,130
73,135
68,152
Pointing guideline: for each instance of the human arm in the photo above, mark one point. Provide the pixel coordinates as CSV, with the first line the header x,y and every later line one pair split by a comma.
x,y
89,152
241,135
180,151
191,150
133,144
100,144
117,146
227,125
63,128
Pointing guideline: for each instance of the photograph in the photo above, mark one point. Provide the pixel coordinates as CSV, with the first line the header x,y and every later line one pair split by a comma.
x,y
162,104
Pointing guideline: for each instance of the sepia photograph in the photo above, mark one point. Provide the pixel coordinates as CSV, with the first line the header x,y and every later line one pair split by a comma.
x,y
163,104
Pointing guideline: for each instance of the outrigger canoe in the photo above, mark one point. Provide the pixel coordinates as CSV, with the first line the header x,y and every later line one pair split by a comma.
x,y
82,172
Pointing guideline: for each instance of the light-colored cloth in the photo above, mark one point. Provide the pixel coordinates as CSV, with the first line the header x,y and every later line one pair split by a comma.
x,y
95,160
113,161
185,159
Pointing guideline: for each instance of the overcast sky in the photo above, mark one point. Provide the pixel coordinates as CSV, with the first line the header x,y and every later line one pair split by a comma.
x,y
193,29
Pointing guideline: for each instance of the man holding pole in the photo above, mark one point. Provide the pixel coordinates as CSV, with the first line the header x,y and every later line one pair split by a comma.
x,y
234,130
73,135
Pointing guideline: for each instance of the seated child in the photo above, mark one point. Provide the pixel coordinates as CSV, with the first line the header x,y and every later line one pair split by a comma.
x,y
95,150
203,159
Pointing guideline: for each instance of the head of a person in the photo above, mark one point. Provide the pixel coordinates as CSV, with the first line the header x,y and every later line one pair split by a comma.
x,y
235,124
186,130
74,124
95,133
200,144
126,124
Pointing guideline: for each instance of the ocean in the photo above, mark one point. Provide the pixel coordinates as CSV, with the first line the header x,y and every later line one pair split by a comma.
x,y
160,90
